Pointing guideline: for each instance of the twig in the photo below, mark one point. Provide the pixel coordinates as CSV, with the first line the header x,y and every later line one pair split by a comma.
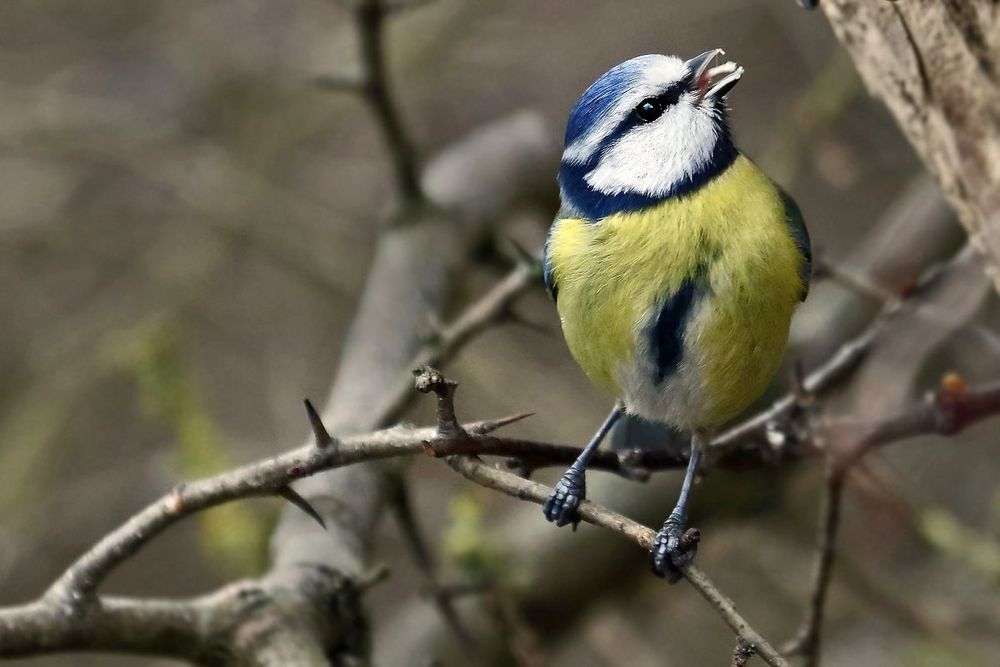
x,y
950,409
946,411
845,359
401,506
499,480
841,362
371,83
492,308
807,640
263,478
525,489
369,16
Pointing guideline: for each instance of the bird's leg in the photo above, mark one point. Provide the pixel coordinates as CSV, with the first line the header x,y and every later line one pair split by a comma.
x,y
571,489
667,555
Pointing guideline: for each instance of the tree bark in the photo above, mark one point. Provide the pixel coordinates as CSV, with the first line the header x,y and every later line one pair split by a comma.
x,y
936,66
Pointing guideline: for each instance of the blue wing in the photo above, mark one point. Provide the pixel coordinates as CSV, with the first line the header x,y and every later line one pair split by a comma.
x,y
797,225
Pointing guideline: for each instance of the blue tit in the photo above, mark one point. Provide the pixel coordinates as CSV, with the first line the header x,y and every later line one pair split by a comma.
x,y
674,261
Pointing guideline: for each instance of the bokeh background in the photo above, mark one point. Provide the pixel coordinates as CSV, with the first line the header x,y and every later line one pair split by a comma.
x,y
186,222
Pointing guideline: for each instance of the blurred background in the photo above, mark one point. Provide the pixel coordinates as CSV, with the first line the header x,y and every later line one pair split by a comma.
x,y
186,223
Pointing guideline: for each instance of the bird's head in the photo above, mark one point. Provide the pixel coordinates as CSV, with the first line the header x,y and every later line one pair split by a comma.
x,y
648,128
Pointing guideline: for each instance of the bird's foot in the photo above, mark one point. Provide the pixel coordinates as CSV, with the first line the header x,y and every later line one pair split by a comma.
x,y
673,548
567,495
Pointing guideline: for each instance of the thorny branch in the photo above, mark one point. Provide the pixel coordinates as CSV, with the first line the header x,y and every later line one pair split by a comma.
x,y
72,615
946,412
429,380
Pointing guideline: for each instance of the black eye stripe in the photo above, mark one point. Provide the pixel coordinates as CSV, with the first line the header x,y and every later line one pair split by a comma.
x,y
652,108
671,95
649,109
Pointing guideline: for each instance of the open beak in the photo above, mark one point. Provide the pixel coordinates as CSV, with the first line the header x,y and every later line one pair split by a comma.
x,y
712,83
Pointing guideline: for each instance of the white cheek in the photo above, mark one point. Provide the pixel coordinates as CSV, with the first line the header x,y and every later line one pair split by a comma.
x,y
659,71
650,159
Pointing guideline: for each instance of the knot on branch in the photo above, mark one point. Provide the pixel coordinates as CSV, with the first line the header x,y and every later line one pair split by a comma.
x,y
793,429
743,652
427,380
950,402
689,540
345,603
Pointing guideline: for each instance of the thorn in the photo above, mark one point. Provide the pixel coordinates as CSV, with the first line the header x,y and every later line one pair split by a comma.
x,y
802,395
322,438
490,425
292,496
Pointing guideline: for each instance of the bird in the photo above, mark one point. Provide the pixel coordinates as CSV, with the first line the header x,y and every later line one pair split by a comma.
x,y
675,264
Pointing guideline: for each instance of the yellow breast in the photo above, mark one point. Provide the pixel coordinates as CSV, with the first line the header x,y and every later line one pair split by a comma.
x,y
614,275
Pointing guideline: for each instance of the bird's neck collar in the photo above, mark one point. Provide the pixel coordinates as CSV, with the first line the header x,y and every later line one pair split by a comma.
x,y
587,202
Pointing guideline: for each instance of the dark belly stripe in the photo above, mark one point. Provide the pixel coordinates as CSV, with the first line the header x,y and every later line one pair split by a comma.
x,y
667,333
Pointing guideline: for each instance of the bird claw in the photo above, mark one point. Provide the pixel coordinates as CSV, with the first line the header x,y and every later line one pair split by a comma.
x,y
671,552
569,492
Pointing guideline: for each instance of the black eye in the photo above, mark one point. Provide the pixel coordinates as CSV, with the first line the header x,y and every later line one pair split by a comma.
x,y
649,109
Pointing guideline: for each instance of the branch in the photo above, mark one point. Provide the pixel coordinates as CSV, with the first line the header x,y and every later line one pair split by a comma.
x,y
840,363
348,500
951,409
226,627
525,489
368,17
947,411
430,380
807,640
400,503
491,309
